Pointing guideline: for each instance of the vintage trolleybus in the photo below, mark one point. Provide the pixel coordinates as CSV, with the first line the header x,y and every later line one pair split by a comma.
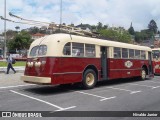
x,y
64,58
156,60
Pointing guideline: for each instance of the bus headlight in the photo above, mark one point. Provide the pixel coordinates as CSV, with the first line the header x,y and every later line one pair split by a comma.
x,y
30,64
37,64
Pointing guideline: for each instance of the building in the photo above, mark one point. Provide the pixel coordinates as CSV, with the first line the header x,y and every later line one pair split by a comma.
x,y
37,35
157,37
85,27
148,43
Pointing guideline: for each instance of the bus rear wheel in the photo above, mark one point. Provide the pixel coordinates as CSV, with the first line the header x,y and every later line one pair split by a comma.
x,y
89,79
143,74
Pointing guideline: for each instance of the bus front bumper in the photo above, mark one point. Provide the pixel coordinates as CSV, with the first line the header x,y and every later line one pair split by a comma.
x,y
36,80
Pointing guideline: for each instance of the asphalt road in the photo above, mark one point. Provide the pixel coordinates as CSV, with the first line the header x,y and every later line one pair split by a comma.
x,y
117,95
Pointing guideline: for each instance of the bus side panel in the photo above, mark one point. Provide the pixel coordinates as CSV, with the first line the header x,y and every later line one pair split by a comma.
x,y
61,70
117,68
73,68
156,67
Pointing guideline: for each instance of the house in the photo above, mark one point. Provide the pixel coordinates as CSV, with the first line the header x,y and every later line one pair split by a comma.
x,y
85,27
156,43
157,37
37,35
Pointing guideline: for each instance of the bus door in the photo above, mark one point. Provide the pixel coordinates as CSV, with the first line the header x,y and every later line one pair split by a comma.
x,y
150,63
104,62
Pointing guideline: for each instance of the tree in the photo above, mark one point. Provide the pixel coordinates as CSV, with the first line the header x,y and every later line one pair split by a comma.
x,y
139,37
115,35
34,30
131,30
99,26
105,26
10,34
21,41
153,26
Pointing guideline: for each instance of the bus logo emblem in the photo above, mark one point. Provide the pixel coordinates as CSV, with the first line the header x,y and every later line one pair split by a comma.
x,y
128,64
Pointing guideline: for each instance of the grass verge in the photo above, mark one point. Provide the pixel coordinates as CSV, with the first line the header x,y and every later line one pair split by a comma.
x,y
18,63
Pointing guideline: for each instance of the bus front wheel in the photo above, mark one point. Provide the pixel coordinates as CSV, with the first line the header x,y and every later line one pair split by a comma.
x,y
143,74
89,79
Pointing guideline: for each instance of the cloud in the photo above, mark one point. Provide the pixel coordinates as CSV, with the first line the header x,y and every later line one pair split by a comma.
x,y
111,12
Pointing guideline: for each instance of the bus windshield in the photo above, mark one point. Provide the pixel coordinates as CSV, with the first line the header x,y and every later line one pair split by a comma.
x,y
38,50
156,53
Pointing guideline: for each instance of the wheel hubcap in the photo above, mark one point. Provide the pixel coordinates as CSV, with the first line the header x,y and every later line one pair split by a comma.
x,y
90,79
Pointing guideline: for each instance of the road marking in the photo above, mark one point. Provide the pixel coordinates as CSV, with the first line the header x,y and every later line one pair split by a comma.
x,y
59,108
108,98
153,87
102,98
152,82
131,92
66,108
135,92
16,86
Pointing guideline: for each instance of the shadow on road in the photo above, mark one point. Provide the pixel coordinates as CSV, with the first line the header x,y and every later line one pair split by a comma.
x,y
46,90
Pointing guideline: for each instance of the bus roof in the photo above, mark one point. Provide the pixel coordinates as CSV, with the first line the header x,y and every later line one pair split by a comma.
x,y
156,49
57,42
64,38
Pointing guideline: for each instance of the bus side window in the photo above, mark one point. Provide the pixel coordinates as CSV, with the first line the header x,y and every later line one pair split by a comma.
x,y
90,50
131,53
143,55
137,54
78,49
67,49
117,52
124,53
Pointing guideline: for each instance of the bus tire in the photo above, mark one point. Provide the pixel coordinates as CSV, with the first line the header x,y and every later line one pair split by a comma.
x,y
143,74
89,79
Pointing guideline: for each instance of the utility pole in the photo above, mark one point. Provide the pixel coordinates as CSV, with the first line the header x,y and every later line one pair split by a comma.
x,y
60,16
5,38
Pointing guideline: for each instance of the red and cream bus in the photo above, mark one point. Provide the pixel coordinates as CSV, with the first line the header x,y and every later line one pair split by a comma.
x,y
64,59
156,60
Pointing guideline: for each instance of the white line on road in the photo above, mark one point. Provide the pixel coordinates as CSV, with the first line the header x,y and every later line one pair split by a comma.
x,y
66,108
102,98
59,108
153,82
16,86
153,87
108,98
135,92
131,92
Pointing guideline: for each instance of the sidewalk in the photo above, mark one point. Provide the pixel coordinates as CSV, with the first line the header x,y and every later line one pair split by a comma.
x,y
18,69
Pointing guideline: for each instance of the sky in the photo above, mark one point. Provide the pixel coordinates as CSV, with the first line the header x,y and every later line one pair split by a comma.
x,y
109,12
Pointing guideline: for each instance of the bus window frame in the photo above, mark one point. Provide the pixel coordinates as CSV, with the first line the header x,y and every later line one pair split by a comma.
x,y
37,51
84,50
